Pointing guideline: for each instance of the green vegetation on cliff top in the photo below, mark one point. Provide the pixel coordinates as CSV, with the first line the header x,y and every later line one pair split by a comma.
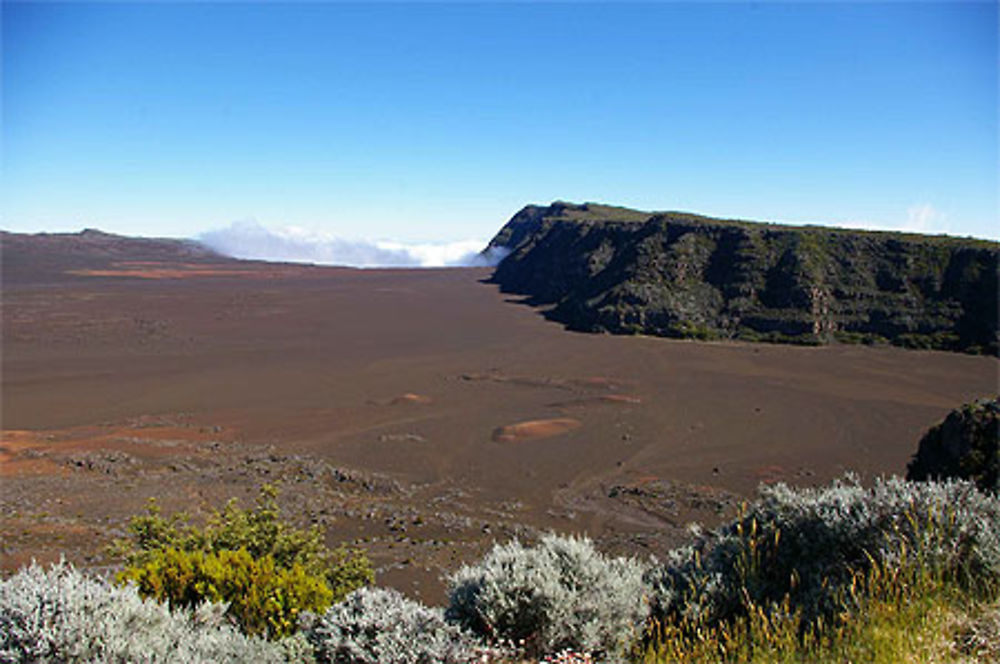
x,y
602,213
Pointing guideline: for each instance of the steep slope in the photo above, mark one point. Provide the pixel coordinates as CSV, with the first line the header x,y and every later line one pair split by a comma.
x,y
606,269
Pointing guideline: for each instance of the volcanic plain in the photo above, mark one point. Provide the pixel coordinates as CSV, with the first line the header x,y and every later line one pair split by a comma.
x,y
420,414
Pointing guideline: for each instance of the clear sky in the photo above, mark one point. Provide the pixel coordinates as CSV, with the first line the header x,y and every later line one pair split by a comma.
x,y
434,123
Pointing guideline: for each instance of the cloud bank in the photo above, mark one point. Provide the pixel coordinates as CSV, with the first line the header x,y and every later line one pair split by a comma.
x,y
248,239
925,218
919,218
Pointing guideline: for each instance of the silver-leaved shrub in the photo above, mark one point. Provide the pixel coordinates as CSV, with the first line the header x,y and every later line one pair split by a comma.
x,y
380,626
560,594
809,544
58,614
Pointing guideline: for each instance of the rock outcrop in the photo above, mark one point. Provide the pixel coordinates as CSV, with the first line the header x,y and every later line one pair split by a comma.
x,y
605,269
966,445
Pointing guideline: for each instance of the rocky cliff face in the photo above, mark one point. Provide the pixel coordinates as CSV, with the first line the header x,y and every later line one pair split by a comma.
x,y
606,269
966,445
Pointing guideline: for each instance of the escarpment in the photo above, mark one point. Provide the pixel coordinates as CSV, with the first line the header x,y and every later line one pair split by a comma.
x,y
605,269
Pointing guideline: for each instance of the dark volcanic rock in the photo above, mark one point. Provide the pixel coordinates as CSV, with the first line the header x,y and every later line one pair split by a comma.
x,y
607,269
965,445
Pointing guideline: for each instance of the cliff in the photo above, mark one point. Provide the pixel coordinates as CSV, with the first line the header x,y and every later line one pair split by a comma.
x,y
606,269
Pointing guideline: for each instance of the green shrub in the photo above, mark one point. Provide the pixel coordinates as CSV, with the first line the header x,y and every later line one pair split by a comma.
x,y
866,338
690,330
267,570
907,613
836,574
934,341
263,598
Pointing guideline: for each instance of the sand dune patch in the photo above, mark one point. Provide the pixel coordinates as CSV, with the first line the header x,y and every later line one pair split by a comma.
x,y
410,398
604,399
534,429
620,398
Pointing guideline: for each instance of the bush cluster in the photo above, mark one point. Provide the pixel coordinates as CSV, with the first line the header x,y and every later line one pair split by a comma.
x,y
266,570
60,615
807,545
789,564
375,625
263,598
560,594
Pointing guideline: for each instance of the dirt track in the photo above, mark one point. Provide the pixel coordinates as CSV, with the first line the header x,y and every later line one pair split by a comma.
x,y
454,416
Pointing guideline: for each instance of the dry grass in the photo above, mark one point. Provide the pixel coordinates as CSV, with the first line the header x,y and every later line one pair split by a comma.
x,y
977,635
908,615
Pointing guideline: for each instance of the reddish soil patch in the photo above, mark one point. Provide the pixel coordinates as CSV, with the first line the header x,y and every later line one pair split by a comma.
x,y
56,452
620,398
604,399
171,270
18,455
534,429
411,398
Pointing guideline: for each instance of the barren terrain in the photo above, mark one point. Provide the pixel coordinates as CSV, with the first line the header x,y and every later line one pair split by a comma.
x,y
419,413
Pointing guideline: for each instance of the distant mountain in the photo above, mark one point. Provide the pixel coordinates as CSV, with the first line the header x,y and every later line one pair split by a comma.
x,y
30,257
608,269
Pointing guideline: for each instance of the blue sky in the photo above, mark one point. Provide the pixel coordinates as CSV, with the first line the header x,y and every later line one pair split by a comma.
x,y
434,123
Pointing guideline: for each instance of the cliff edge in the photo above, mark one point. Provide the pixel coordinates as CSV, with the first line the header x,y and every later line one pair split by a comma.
x,y
600,268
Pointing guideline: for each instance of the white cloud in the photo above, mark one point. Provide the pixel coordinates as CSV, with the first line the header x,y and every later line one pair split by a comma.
x,y
249,239
920,218
925,218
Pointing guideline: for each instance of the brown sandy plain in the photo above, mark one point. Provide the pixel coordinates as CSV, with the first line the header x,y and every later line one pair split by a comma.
x,y
418,413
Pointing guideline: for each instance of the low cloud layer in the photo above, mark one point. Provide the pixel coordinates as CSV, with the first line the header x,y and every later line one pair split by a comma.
x,y
919,218
248,239
925,218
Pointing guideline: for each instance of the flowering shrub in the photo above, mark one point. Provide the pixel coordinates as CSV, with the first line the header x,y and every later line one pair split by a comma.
x,y
263,598
559,594
808,544
376,626
60,615
265,569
